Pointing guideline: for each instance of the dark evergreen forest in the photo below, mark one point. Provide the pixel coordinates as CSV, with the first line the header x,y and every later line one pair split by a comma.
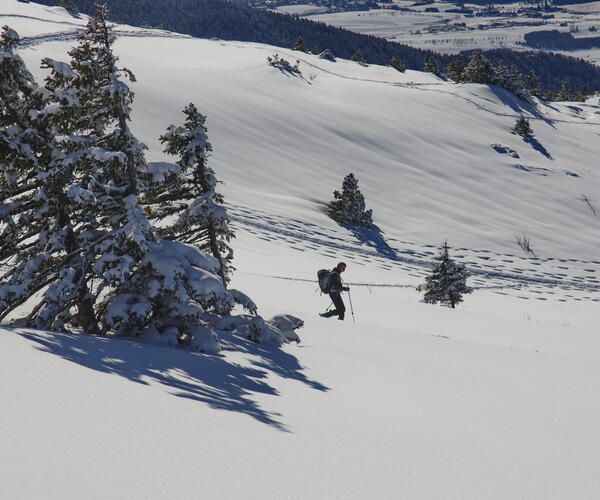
x,y
234,21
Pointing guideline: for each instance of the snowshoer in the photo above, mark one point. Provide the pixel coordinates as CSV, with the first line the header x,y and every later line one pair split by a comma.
x,y
335,292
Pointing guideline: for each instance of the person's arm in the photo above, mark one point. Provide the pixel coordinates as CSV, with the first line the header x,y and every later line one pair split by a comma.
x,y
336,283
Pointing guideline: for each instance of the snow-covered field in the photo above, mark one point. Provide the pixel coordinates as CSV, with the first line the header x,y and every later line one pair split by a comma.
x,y
449,32
497,399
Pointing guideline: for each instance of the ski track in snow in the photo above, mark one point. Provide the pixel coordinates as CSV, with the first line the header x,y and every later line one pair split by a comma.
x,y
22,16
489,270
29,41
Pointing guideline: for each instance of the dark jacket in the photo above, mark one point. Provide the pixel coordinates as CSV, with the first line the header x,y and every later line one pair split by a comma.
x,y
335,281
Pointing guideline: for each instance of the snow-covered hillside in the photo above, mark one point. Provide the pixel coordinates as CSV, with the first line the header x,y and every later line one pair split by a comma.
x,y
494,400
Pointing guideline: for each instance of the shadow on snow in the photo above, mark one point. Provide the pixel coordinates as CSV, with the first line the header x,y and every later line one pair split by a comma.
x,y
209,379
535,144
373,237
519,106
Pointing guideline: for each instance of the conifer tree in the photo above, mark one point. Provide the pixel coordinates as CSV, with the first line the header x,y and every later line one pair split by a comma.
x,y
565,92
69,5
299,45
31,189
358,57
532,83
73,175
455,70
431,66
191,194
19,139
447,282
478,70
108,271
515,78
501,75
348,207
510,79
523,128
397,64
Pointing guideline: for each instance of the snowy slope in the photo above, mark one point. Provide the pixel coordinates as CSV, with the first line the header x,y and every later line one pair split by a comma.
x,y
494,400
407,410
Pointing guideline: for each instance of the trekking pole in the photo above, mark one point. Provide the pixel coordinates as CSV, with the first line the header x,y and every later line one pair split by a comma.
x,y
351,308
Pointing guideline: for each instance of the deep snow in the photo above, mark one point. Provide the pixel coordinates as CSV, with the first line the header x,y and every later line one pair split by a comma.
x,y
494,400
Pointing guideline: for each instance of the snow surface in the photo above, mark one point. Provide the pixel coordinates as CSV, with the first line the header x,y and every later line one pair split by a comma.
x,y
497,399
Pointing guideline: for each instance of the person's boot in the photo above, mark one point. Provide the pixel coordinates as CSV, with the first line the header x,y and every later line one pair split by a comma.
x,y
341,318
327,314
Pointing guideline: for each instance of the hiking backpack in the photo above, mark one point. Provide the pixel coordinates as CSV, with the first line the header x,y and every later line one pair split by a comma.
x,y
323,276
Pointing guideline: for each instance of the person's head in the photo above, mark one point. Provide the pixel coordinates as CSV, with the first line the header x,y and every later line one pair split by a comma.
x,y
341,267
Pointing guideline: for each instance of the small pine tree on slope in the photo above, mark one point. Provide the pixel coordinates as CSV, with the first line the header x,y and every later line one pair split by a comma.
x,y
201,216
348,207
448,281
523,128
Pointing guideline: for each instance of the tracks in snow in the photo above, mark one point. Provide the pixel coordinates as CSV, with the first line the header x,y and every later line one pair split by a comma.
x,y
489,270
62,36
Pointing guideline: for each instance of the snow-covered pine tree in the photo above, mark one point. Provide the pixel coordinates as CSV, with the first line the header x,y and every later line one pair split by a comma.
x,y
19,139
478,70
516,79
565,92
455,69
105,270
137,281
448,281
522,128
501,75
348,207
189,192
118,277
510,79
32,216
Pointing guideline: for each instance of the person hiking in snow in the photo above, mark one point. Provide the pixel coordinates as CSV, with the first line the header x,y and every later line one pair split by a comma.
x,y
335,292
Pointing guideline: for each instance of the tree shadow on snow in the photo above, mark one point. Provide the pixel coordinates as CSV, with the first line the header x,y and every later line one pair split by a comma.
x,y
209,379
518,105
535,144
373,237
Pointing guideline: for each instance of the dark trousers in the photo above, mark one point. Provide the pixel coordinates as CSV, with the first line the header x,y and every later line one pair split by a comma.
x,y
340,308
